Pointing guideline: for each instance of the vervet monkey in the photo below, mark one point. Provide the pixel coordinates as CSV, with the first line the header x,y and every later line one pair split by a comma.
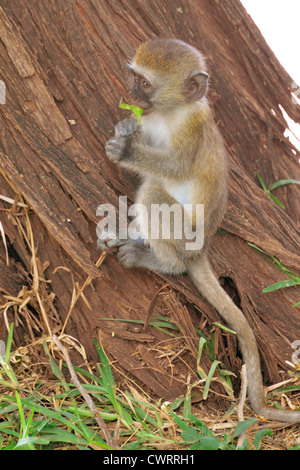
x,y
179,153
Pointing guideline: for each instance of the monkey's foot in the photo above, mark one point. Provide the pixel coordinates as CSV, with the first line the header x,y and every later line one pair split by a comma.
x,y
134,253
138,254
108,240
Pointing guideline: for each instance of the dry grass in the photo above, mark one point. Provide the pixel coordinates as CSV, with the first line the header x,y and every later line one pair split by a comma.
x,y
31,377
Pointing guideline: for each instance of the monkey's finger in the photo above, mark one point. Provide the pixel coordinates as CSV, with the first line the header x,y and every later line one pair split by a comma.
x,y
125,127
113,144
101,245
116,242
125,258
116,142
115,148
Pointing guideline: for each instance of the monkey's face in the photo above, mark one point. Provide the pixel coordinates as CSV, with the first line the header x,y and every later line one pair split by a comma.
x,y
142,91
167,73
152,91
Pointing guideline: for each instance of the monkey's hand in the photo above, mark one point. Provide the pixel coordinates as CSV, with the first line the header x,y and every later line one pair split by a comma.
x,y
125,127
118,147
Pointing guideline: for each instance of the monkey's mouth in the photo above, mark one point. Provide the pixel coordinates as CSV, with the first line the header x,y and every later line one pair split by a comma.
x,y
147,107
147,110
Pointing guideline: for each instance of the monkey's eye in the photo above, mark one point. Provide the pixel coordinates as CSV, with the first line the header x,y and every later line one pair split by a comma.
x,y
146,84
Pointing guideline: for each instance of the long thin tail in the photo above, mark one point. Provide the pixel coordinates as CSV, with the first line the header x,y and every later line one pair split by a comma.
x,y
204,279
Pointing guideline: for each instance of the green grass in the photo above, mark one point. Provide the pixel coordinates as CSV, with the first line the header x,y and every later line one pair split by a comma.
x,y
275,185
292,282
217,370
32,420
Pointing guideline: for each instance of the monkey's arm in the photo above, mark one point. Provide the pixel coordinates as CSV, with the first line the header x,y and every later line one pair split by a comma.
x,y
127,149
129,153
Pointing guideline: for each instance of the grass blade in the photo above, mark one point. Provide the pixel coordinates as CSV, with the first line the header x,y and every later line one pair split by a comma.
x,y
263,185
268,191
200,370
9,343
280,285
242,426
110,386
60,417
209,378
279,183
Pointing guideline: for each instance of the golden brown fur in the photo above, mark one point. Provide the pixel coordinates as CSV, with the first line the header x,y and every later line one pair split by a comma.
x,y
178,151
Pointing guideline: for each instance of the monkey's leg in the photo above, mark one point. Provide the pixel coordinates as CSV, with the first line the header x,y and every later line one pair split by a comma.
x,y
164,251
135,254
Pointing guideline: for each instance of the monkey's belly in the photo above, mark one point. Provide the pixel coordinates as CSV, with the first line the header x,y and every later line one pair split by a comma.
x,y
150,195
181,192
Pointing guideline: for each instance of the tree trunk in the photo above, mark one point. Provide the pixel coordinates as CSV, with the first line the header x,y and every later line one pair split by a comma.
x,y
63,66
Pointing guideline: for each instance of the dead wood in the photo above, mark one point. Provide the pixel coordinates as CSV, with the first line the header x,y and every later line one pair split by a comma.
x,y
63,66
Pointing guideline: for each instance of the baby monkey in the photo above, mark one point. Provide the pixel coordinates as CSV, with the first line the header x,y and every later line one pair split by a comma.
x,y
179,153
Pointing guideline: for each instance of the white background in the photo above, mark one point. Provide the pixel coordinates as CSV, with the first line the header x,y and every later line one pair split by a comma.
x,y
279,23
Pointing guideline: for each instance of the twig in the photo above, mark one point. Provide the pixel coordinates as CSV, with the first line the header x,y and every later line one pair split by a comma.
x,y
12,201
152,306
4,242
76,296
243,395
109,439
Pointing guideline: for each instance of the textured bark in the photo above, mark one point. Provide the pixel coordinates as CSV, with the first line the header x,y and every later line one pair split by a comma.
x,y
63,65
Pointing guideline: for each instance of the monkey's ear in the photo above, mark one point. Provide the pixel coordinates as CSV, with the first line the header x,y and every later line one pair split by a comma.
x,y
195,86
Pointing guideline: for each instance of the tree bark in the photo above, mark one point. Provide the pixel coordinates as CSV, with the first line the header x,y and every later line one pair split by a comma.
x,y
63,65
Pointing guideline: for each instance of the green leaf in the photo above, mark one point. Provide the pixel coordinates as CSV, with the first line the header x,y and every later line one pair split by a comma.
x,y
21,412
281,285
55,434
209,377
164,324
196,421
187,404
243,426
209,443
275,261
202,342
222,231
144,415
262,182
190,435
279,183
259,435
135,109
268,192
176,403
274,198
27,442
67,419
9,342
105,370
110,386
182,424
224,327
202,428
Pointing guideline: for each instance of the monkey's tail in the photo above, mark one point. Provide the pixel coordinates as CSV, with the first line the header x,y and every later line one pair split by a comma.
x,y
204,279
